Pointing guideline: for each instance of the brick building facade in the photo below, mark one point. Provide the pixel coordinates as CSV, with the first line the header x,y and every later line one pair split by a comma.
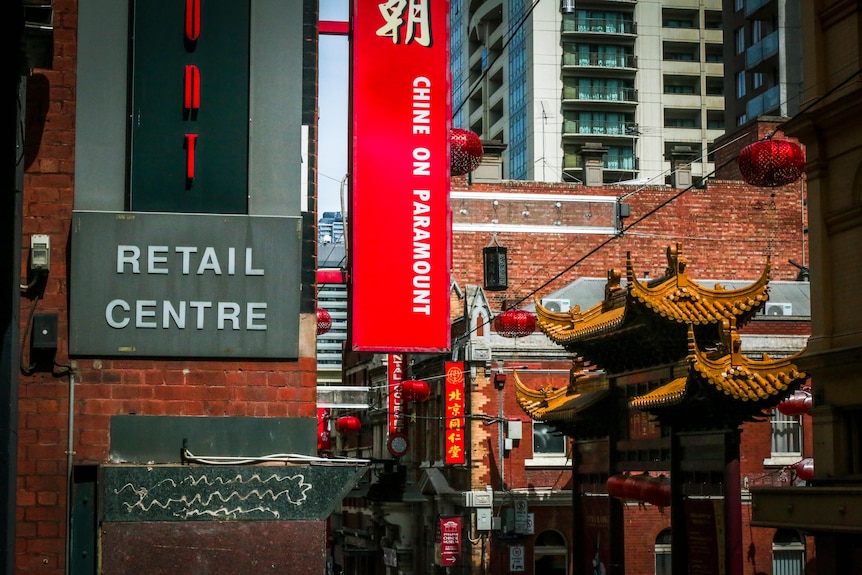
x,y
555,235
90,426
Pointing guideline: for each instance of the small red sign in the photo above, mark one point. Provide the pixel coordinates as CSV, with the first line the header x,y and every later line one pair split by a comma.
x,y
450,541
454,422
397,422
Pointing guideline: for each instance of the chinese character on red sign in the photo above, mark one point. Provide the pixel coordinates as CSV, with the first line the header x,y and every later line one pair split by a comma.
x,y
454,427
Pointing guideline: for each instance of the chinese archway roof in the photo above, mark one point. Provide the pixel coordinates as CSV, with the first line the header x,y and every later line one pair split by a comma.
x,y
645,324
571,407
724,385
672,322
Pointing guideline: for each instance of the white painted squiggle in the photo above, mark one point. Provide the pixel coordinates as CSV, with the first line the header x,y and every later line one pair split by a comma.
x,y
292,489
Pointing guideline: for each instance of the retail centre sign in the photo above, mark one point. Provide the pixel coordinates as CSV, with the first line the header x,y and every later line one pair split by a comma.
x,y
183,285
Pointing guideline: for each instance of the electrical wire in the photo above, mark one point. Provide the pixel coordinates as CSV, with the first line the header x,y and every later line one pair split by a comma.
x,y
287,458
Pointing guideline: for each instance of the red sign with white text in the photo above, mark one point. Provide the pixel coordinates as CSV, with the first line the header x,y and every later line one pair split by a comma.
x,y
399,217
397,423
450,541
454,426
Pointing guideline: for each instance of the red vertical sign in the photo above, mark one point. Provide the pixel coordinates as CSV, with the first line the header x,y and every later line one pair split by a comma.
x,y
399,202
450,541
454,422
396,397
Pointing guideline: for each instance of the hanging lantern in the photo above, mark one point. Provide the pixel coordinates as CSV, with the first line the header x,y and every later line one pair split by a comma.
x,y
415,390
797,404
771,162
616,485
804,469
348,424
654,490
515,323
466,149
495,266
324,321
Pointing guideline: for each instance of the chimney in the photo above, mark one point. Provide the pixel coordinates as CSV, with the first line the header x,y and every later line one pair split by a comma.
x,y
680,163
593,155
491,167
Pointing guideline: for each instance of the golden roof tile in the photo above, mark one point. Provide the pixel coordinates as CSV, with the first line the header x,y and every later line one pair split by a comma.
x,y
742,378
667,395
550,403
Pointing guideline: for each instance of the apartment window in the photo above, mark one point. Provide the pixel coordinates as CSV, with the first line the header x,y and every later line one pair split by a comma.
x,y
740,84
546,442
786,439
756,31
662,553
549,446
739,5
741,119
739,39
788,553
756,80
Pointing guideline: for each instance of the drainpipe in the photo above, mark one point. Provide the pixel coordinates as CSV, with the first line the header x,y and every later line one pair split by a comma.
x,y
70,454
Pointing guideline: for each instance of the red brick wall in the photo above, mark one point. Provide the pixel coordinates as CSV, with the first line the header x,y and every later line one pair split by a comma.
x,y
104,387
726,231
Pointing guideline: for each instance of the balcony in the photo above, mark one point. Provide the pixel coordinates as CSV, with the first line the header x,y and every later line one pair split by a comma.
x,y
756,9
611,129
761,51
604,94
766,102
573,24
599,60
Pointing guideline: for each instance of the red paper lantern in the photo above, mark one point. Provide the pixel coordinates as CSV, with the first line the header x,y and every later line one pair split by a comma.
x,y
348,424
324,321
515,323
415,390
804,469
655,490
797,404
616,485
771,162
466,149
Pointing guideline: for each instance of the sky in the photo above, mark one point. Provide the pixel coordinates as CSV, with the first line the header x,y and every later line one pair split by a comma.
x,y
333,92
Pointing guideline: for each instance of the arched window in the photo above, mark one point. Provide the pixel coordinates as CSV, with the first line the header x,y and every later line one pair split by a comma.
x,y
788,553
550,553
662,553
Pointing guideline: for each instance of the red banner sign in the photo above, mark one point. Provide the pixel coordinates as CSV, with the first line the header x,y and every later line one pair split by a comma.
x,y
454,426
324,434
397,422
399,216
450,541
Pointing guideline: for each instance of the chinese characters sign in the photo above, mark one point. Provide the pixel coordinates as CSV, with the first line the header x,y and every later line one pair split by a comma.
x,y
454,422
450,541
399,210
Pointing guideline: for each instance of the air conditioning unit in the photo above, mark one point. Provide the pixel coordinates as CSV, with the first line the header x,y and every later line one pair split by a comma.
x,y
478,353
478,499
556,304
778,308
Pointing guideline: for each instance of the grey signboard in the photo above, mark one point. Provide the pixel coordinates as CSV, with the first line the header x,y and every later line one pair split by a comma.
x,y
184,285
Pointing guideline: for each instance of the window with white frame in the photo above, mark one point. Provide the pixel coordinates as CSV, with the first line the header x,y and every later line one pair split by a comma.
x,y
786,439
788,553
662,553
549,446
